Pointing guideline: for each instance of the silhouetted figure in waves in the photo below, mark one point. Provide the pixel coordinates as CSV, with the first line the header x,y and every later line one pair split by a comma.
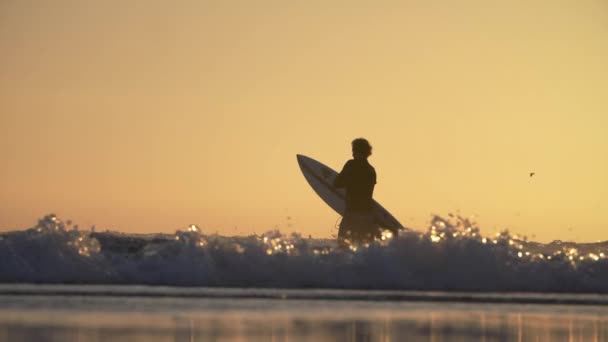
x,y
358,177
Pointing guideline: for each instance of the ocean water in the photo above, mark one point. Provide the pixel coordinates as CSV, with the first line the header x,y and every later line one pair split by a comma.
x,y
143,313
450,283
452,255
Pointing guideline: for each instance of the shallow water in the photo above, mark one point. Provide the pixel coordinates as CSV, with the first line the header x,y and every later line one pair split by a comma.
x,y
136,313
260,288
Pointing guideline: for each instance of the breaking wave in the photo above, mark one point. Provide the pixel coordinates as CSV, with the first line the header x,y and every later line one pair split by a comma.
x,y
452,255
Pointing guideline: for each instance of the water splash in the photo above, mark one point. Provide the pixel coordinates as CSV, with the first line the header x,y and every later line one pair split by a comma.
x,y
452,254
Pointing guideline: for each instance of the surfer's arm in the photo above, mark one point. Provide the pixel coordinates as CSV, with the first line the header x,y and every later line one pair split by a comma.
x,y
342,178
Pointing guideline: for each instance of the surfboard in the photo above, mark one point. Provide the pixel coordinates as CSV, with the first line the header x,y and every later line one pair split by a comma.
x,y
321,179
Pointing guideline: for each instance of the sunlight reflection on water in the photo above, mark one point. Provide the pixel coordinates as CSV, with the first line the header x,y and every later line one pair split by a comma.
x,y
224,319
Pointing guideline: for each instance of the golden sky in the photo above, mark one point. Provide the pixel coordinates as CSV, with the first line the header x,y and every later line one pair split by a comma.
x,y
146,116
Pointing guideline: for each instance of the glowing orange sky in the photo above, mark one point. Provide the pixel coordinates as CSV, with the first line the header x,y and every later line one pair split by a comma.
x,y
146,116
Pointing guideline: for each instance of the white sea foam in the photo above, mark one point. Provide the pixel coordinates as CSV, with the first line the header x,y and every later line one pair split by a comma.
x,y
451,255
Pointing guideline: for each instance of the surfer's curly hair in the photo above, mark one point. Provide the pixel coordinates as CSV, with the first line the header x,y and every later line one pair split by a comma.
x,y
362,146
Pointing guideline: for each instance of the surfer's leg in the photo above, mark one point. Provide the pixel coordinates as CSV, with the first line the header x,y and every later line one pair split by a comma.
x,y
360,227
357,228
345,234
369,227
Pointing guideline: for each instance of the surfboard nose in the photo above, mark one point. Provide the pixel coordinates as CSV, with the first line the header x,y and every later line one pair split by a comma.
x,y
301,158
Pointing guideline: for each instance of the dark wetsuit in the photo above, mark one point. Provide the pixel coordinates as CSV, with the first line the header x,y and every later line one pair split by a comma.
x,y
359,179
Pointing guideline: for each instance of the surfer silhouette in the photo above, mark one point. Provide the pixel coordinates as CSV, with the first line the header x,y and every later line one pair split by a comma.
x,y
358,177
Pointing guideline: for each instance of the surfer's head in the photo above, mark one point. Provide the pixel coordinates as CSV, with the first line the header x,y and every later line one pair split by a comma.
x,y
361,148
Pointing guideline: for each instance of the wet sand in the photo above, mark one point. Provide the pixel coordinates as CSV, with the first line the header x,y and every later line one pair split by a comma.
x,y
86,317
